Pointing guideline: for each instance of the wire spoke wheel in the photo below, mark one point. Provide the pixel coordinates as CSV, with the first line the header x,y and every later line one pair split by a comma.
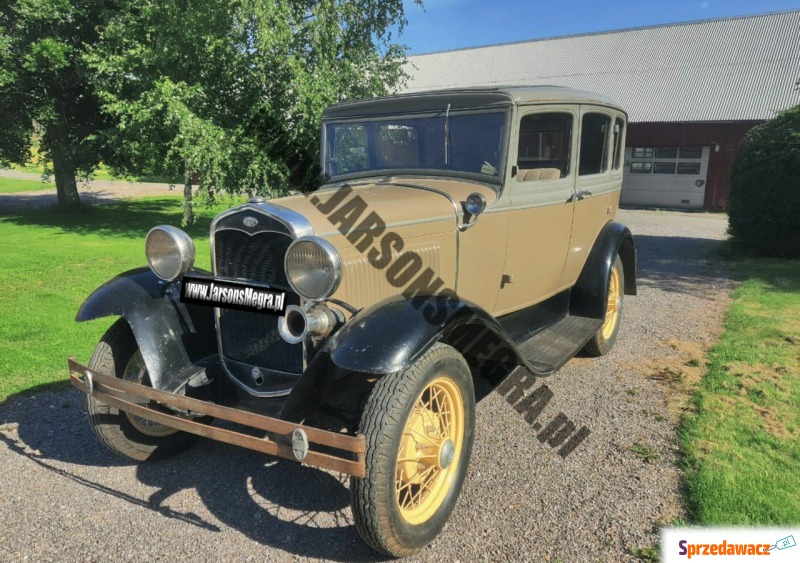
x,y
419,426
432,440
606,336
136,371
614,304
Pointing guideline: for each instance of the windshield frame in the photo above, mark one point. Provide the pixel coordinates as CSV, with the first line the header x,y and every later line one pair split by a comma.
x,y
495,182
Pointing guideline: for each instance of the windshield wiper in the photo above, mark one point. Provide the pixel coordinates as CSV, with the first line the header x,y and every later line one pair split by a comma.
x,y
447,136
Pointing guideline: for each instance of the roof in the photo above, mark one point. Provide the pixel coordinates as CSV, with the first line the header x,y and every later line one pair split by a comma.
x,y
744,68
462,98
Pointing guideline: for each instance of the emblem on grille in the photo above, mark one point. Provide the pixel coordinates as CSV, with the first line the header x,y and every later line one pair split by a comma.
x,y
250,221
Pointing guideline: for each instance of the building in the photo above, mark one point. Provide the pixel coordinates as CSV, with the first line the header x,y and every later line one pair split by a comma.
x,y
692,91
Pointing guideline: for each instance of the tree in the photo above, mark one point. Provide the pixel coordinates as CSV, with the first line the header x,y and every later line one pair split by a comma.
x,y
45,81
231,92
764,202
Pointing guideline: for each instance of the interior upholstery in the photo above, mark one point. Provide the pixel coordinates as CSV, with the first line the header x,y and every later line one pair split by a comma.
x,y
535,174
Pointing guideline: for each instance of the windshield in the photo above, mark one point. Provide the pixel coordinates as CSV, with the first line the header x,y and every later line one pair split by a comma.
x,y
463,143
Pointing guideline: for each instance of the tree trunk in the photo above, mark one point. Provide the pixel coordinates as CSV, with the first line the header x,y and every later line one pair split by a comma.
x,y
188,212
63,169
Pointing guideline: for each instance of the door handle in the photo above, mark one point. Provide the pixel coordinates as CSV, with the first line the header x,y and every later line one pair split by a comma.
x,y
579,195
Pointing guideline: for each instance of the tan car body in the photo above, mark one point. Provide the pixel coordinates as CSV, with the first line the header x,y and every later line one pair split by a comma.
x,y
531,241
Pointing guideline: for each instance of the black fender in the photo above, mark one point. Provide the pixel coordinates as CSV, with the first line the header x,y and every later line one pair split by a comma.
x,y
171,335
391,335
588,295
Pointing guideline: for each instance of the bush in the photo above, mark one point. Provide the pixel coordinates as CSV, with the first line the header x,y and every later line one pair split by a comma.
x,y
764,206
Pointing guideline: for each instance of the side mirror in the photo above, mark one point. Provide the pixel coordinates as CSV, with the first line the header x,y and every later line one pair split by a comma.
x,y
473,206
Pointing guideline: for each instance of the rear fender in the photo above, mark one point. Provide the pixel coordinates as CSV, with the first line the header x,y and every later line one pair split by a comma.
x,y
588,295
171,335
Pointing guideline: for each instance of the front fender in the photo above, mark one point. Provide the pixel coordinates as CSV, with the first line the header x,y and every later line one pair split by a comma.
x,y
391,335
171,335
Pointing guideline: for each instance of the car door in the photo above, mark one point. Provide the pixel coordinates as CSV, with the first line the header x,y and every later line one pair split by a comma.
x,y
540,212
597,184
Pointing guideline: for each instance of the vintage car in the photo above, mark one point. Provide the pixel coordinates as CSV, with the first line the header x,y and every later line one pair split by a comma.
x,y
456,235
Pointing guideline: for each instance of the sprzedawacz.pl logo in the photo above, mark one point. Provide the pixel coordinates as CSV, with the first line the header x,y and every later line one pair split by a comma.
x,y
724,548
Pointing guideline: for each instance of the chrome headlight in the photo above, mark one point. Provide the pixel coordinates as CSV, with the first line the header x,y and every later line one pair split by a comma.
x,y
313,268
170,252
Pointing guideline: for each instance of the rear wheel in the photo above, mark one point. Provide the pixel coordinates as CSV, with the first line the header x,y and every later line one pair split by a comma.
x,y
419,427
603,341
127,435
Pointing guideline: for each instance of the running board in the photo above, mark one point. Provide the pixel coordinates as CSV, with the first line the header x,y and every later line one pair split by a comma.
x,y
554,346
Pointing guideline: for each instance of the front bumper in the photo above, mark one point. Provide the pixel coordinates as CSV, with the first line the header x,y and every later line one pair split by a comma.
x,y
149,403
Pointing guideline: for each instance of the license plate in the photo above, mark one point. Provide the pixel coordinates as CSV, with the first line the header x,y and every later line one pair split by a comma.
x,y
232,295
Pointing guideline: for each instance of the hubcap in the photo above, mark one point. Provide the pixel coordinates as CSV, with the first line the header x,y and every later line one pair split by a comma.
x,y
614,304
136,371
431,443
446,453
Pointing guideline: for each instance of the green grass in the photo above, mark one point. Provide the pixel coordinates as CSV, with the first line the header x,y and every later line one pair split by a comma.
x,y
742,441
13,185
51,261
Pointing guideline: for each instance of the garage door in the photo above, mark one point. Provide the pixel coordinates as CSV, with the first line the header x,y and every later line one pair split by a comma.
x,y
671,177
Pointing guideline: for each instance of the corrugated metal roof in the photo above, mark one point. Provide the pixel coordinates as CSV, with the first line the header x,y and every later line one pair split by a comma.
x,y
714,70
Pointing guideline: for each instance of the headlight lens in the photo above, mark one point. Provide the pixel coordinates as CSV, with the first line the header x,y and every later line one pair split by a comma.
x,y
170,252
313,268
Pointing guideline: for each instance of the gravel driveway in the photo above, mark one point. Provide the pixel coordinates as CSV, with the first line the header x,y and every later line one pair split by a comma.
x,y
63,497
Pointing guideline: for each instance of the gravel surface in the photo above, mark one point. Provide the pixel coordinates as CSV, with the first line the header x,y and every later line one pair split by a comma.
x,y
62,496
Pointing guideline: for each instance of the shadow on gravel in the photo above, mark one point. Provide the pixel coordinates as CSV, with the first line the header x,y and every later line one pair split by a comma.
x,y
680,264
300,510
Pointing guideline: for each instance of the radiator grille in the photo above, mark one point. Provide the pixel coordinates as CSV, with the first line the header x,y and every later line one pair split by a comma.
x,y
253,338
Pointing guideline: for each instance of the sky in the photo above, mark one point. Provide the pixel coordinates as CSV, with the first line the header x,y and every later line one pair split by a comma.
x,y
454,24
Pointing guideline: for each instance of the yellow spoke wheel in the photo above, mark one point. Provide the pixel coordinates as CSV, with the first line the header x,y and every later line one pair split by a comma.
x,y
429,449
606,336
613,306
418,424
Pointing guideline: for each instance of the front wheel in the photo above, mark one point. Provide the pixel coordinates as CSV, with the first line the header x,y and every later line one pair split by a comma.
x,y
127,435
419,427
603,341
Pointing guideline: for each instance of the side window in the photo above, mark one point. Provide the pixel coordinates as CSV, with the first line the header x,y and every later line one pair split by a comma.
x,y
544,147
619,129
594,144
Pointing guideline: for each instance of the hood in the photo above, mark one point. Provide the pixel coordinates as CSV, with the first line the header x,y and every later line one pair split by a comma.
x,y
412,207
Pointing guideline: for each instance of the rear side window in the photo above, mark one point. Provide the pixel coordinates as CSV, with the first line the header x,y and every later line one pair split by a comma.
x,y
594,144
619,129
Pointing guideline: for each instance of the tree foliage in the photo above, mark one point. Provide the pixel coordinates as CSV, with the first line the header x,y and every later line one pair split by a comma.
x,y
45,82
231,91
764,205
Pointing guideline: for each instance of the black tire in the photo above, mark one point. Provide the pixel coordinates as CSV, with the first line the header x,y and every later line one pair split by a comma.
x,y
375,500
601,344
114,428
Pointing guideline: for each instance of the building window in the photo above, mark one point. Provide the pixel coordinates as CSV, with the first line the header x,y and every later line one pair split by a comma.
x,y
545,140
664,168
619,129
642,152
666,152
689,168
594,144
692,152
641,167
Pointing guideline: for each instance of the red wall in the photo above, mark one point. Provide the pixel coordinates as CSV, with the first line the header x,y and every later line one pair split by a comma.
x,y
728,135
